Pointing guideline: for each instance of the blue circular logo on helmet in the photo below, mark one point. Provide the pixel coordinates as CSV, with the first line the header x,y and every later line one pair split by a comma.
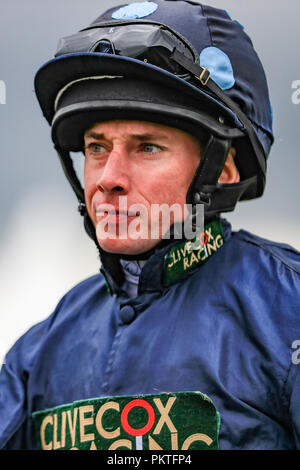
x,y
219,65
135,10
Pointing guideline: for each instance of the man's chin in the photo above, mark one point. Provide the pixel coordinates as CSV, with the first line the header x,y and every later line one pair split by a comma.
x,y
128,246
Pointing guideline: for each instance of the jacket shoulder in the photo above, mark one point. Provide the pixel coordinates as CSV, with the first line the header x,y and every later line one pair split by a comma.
x,y
284,253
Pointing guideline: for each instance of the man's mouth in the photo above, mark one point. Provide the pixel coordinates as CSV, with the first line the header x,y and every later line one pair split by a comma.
x,y
111,213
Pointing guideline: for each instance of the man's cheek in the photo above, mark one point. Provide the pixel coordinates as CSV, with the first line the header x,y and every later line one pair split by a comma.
x,y
88,196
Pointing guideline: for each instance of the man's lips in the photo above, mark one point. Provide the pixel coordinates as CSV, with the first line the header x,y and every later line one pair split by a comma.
x,y
110,213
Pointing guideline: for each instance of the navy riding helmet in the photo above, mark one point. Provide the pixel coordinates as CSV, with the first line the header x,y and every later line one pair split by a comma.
x,y
178,63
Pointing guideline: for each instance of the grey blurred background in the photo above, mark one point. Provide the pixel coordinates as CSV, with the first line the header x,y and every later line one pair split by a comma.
x,y
44,250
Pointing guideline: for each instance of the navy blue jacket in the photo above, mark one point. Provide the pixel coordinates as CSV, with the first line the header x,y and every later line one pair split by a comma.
x,y
227,329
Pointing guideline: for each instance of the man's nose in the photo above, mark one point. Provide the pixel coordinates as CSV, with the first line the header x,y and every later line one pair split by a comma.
x,y
114,176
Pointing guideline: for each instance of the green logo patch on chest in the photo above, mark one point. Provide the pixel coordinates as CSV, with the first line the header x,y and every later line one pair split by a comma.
x,y
186,256
171,421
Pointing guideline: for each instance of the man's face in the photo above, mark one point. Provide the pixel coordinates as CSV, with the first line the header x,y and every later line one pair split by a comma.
x,y
131,168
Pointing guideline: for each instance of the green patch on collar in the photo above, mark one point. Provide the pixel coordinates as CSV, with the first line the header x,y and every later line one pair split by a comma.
x,y
168,421
107,285
187,256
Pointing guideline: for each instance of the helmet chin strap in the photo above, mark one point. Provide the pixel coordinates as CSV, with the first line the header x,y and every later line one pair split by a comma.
x,y
201,190
204,189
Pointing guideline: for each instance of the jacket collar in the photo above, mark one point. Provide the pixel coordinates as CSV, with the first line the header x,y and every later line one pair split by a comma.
x,y
177,260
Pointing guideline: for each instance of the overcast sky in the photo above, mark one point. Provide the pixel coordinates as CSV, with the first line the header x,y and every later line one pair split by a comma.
x,y
44,250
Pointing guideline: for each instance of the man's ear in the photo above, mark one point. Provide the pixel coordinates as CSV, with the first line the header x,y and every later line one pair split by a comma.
x,y
230,173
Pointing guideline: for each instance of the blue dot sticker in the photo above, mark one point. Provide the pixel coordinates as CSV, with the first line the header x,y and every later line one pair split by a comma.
x,y
236,21
135,10
219,65
228,14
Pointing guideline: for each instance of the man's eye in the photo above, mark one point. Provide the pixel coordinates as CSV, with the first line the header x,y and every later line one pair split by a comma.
x,y
151,148
96,148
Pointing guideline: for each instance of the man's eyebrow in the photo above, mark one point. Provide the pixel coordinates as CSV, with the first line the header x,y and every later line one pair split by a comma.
x,y
147,137
141,137
94,135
